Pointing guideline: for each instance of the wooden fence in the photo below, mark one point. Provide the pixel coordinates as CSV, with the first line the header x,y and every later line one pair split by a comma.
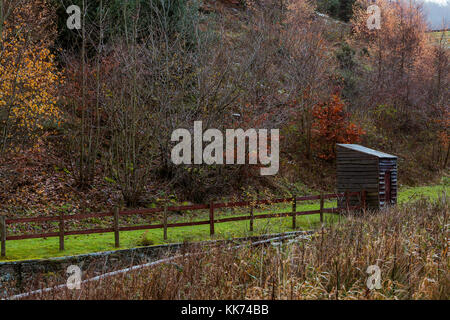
x,y
116,213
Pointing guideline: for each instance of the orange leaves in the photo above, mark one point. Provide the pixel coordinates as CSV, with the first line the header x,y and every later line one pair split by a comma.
x,y
444,138
331,125
444,127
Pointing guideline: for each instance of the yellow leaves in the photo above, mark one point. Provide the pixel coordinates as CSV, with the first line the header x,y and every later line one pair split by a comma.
x,y
28,82
29,78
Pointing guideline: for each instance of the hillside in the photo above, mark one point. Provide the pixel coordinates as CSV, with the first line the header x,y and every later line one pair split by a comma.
x,y
275,67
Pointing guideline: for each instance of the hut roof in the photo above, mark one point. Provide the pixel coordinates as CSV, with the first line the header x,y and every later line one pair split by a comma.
x,y
359,148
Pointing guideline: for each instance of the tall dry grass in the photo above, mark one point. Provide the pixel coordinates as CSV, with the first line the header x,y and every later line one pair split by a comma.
x,y
409,244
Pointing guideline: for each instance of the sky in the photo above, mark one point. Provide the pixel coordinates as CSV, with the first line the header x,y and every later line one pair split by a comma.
x,y
436,11
441,2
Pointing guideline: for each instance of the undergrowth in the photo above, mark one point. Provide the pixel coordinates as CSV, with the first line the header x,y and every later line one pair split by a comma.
x,y
409,244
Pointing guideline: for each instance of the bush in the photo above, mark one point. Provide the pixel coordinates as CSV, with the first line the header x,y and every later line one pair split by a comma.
x,y
145,240
331,125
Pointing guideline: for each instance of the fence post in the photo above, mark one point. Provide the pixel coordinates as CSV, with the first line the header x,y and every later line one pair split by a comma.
x,y
346,200
294,210
3,235
251,217
116,227
321,208
211,218
165,221
61,231
363,200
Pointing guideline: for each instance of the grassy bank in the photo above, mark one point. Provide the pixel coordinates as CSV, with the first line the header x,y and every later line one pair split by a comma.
x,y
79,244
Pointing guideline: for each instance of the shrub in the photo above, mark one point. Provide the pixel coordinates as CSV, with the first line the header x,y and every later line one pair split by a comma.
x,y
331,125
29,78
145,240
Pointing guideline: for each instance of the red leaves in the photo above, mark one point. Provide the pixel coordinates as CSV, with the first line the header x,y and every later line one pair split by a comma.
x,y
331,125
443,122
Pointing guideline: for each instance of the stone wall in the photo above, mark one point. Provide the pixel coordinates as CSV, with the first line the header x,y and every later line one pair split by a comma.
x,y
19,276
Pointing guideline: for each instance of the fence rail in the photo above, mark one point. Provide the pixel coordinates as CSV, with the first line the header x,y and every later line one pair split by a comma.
x,y
4,222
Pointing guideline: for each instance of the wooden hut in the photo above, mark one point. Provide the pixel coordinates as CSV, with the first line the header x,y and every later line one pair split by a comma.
x,y
360,168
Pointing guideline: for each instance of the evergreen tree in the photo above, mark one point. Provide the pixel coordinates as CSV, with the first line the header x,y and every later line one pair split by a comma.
x,y
346,10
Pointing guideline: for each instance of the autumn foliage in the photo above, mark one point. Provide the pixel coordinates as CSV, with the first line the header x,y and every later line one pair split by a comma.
x,y
332,125
104,100
29,77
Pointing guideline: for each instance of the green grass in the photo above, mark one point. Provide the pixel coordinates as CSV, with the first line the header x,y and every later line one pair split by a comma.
x,y
438,34
79,244
46,248
436,37
408,194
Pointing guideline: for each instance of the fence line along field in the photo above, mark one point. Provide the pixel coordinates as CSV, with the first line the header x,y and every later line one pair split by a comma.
x,y
116,228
